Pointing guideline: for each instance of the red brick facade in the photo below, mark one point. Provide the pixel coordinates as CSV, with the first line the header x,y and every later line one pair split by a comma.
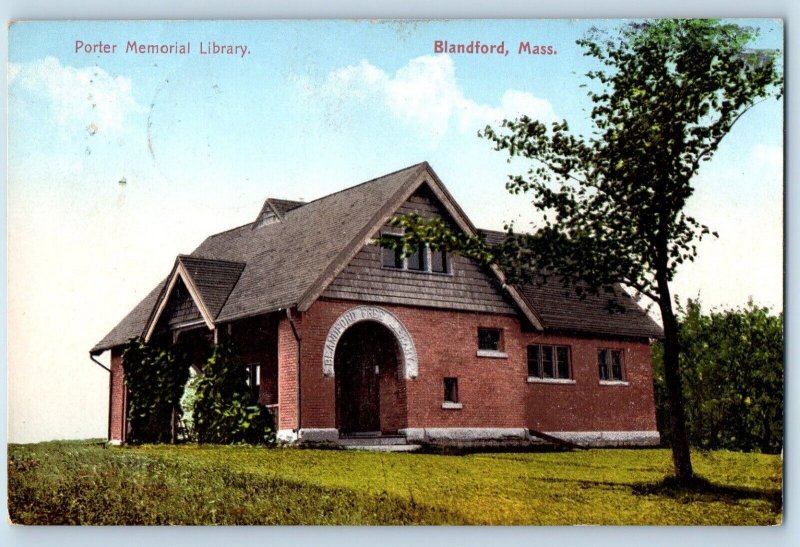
x,y
494,392
116,413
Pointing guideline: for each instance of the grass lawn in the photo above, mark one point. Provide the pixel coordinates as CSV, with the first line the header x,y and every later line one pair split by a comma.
x,y
81,482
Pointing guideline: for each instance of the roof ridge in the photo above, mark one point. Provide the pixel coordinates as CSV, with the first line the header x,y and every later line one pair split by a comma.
x,y
269,198
230,230
410,167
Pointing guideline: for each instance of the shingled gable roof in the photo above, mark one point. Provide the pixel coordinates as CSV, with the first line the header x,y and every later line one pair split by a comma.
x,y
562,309
209,283
291,262
284,260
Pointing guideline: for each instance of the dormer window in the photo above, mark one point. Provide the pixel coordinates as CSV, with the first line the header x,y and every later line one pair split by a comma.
x,y
268,217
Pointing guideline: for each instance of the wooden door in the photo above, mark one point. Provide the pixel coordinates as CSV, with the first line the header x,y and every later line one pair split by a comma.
x,y
357,372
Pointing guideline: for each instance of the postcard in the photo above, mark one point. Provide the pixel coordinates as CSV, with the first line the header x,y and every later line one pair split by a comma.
x,y
382,272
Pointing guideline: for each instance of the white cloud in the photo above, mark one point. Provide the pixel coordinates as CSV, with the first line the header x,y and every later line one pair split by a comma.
x,y
83,95
426,94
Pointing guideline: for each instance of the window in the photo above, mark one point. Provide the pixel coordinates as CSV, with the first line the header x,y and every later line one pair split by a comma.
x,y
423,259
451,390
451,401
416,260
254,378
548,362
609,363
391,257
439,261
490,343
489,339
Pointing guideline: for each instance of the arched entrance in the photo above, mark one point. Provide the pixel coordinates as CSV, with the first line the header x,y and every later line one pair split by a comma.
x,y
367,382
409,366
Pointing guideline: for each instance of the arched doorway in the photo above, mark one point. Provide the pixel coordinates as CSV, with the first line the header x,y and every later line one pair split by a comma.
x,y
365,363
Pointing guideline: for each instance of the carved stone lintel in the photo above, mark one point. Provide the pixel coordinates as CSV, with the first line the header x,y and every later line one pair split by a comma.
x,y
409,366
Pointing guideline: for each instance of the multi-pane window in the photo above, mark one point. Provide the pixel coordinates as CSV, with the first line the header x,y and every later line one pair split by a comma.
x,y
609,363
392,257
439,261
451,390
548,362
422,259
490,339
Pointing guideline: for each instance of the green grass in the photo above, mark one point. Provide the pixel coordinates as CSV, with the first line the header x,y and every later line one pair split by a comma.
x,y
85,483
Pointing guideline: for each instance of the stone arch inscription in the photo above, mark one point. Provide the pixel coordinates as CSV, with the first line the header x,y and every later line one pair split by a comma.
x,y
409,365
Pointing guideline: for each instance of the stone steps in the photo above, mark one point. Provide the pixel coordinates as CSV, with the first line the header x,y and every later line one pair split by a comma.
x,y
385,447
376,442
382,440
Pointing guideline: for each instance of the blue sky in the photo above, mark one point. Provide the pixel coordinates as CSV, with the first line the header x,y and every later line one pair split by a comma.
x,y
314,107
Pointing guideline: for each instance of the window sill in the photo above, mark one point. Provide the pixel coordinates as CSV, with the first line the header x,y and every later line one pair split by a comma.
x,y
418,272
449,405
537,380
492,353
613,383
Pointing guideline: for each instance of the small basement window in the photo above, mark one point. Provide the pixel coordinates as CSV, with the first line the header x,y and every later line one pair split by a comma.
x,y
609,363
451,390
451,394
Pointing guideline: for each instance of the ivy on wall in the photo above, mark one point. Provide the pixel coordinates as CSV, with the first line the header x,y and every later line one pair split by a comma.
x,y
155,377
225,409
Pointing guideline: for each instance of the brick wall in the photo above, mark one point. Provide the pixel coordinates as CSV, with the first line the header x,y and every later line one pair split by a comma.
x,y
494,392
287,373
116,415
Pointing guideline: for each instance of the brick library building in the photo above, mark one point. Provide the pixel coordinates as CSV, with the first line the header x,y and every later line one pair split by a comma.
x,y
343,339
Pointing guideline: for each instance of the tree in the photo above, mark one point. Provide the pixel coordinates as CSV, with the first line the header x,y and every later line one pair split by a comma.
x,y
664,96
732,371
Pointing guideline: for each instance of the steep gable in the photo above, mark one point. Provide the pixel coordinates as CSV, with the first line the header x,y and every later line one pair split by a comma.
x,y
323,248
197,284
465,286
286,260
180,309
281,263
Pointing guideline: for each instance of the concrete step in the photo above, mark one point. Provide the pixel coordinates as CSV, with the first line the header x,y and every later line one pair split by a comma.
x,y
383,440
384,448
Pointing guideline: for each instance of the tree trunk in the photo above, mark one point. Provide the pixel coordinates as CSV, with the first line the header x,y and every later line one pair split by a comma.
x,y
680,440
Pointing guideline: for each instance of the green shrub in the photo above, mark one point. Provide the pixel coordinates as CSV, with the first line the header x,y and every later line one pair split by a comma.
x,y
732,367
225,411
155,377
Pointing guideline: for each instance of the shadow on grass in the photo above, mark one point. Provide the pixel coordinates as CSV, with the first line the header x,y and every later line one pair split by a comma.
x,y
703,490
